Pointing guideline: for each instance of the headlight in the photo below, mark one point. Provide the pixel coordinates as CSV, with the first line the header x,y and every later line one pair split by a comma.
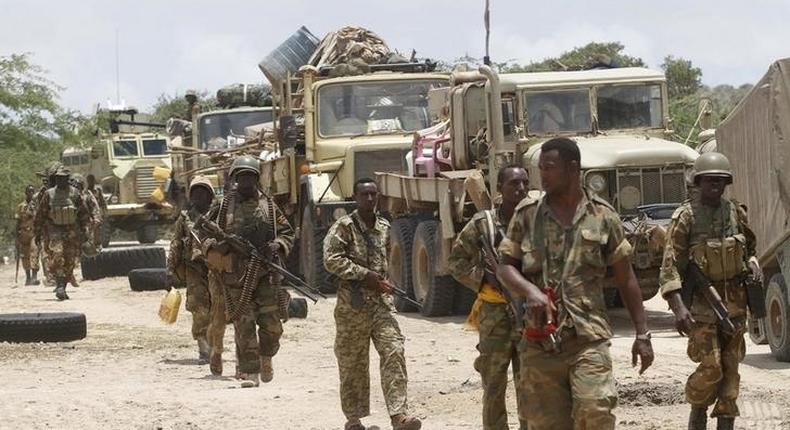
x,y
596,182
630,197
114,199
338,213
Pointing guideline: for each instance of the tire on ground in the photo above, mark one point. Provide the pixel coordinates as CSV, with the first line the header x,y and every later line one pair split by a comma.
x,y
311,248
777,320
120,261
148,279
42,327
432,290
400,269
297,308
147,233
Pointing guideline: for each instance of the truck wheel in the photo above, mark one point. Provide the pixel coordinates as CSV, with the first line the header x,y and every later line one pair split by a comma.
x,y
776,321
147,233
311,248
148,279
42,327
464,299
119,261
432,291
401,242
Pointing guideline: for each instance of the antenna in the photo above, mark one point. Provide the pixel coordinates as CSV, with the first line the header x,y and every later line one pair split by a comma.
x,y
487,22
117,70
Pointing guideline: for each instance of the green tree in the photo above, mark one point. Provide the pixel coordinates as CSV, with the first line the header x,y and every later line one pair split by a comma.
x,y
683,79
584,57
175,106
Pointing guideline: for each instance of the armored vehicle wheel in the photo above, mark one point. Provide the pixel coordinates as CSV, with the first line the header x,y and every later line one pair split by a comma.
x,y
400,270
311,248
297,308
464,299
148,279
147,233
434,292
119,261
42,327
777,322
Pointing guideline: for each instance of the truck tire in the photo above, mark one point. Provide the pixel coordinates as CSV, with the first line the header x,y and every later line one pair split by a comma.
x,y
42,327
311,248
148,279
119,261
148,233
777,320
433,291
401,242
464,299
297,307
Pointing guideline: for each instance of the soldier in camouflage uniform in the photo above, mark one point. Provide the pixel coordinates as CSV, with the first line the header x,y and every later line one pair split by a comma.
x,y
355,251
62,223
97,194
560,246
255,218
25,236
492,314
193,108
186,264
47,181
712,232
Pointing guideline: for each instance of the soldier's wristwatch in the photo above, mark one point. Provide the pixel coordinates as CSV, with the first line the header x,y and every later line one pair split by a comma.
x,y
644,336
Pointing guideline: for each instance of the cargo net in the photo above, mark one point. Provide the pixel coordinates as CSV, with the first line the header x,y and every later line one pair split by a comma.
x,y
351,49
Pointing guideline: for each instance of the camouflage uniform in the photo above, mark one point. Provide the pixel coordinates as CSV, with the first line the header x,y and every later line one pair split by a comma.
x,y
349,257
98,196
498,335
251,219
573,389
28,251
695,229
187,265
62,222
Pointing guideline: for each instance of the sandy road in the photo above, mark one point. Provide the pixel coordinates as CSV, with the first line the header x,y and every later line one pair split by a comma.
x,y
134,372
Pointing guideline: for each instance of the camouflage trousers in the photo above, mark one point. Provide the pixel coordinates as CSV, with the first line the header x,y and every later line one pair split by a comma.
x,y
355,329
215,330
62,247
498,350
251,344
198,303
716,379
570,390
28,251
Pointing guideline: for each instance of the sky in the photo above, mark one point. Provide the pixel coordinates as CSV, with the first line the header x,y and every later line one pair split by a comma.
x,y
169,46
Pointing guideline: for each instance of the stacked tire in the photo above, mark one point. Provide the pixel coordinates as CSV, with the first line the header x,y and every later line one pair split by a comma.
x,y
120,261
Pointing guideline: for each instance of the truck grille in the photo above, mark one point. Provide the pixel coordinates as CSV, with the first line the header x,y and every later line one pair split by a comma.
x,y
656,185
145,184
388,160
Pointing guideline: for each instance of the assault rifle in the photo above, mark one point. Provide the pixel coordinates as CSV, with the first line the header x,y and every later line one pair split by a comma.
x,y
401,293
514,309
247,249
694,280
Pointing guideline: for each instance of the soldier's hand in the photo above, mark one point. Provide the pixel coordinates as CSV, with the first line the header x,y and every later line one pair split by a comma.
x,y
757,271
684,321
272,249
540,307
385,286
372,280
642,352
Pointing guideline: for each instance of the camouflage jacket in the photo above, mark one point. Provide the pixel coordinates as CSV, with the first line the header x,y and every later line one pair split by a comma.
x,y
25,216
573,261
184,251
466,263
98,194
694,223
93,207
43,221
351,249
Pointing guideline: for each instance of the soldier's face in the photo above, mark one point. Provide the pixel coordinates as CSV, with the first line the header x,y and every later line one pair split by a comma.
x,y
200,198
61,181
29,193
555,174
367,196
247,183
514,185
712,187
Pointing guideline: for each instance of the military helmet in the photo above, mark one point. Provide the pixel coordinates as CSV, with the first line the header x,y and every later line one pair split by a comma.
x,y
712,164
78,178
245,163
201,181
50,169
61,171
190,93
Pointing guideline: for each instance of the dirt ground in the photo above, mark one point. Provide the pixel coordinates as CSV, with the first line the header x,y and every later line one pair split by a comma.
x,y
134,372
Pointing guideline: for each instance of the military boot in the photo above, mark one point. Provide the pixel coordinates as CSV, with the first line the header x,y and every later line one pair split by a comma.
x,y
725,423
698,418
204,350
60,290
34,277
27,278
249,380
267,371
405,422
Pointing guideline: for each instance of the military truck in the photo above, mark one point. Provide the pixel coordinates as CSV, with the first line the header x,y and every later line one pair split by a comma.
x,y
132,167
619,118
753,137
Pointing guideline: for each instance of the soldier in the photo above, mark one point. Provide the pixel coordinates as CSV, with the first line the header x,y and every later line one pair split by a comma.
x,y
27,250
62,223
193,109
560,246
355,251
47,181
92,204
247,213
492,314
98,194
713,233
187,266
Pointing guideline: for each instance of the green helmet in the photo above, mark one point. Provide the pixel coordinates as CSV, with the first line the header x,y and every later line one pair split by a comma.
x,y
61,171
712,164
78,179
245,163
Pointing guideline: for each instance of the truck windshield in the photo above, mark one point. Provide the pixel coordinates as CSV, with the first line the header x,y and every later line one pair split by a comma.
x,y
226,129
558,111
124,148
375,107
630,106
154,147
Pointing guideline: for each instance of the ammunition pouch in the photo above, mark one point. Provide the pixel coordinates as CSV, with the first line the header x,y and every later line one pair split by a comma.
x,y
721,259
64,215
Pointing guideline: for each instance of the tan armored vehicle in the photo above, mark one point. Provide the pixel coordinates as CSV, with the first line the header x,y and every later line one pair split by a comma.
x,y
132,167
619,118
